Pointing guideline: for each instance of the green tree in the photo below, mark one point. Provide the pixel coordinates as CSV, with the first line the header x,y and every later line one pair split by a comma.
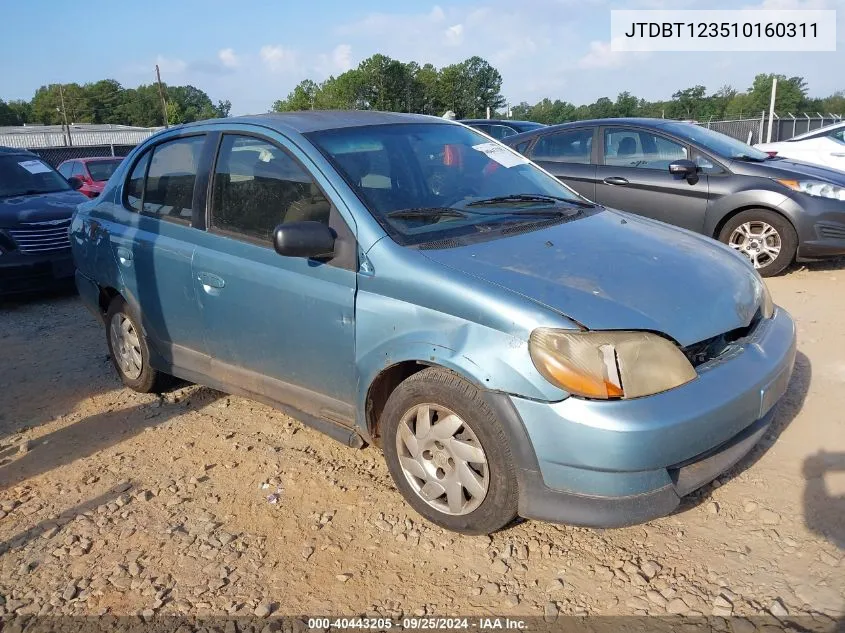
x,y
626,104
790,96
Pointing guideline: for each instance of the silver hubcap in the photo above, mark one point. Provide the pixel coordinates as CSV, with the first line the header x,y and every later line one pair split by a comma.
x,y
126,346
442,459
758,241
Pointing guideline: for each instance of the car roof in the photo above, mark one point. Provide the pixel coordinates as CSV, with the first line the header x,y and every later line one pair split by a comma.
x,y
501,121
16,151
319,120
90,159
638,121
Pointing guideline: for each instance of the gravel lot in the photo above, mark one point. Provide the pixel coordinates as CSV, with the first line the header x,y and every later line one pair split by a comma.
x,y
201,503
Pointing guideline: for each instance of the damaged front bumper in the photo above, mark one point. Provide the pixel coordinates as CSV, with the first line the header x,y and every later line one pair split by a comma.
x,y
605,464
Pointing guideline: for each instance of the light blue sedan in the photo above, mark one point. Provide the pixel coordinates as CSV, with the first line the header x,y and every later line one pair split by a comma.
x,y
408,282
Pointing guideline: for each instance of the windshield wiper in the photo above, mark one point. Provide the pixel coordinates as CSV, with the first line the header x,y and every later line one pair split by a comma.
x,y
426,212
529,197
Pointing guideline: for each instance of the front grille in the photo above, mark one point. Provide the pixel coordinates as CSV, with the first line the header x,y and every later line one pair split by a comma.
x,y
41,237
831,231
704,351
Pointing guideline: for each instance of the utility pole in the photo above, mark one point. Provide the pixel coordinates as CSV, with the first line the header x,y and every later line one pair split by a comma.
x,y
161,95
64,115
772,109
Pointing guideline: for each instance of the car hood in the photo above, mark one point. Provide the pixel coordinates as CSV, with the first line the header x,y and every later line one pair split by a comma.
x,y
58,205
614,271
788,168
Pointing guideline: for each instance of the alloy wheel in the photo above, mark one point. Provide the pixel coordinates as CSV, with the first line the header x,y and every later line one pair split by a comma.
x,y
759,241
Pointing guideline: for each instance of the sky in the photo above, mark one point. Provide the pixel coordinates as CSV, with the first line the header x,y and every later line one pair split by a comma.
x,y
253,52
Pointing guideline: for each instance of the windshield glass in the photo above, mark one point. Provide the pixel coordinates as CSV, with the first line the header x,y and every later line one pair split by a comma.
x,y
720,144
27,175
101,170
415,178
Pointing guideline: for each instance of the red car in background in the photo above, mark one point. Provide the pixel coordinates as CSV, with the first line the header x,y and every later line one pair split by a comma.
x,y
92,173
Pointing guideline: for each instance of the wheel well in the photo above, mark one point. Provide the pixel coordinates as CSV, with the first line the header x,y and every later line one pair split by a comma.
x,y
721,224
380,391
106,296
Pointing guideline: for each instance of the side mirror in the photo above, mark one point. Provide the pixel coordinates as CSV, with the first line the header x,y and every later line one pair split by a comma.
x,y
313,240
683,167
75,182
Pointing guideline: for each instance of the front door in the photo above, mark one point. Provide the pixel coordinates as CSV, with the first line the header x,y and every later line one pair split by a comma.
x,y
633,175
279,327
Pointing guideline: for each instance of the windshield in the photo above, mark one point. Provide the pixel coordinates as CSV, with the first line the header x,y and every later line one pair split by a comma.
x,y
23,175
720,144
102,170
422,180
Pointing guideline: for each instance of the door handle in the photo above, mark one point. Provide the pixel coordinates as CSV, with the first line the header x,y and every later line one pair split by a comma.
x,y
211,283
615,180
124,255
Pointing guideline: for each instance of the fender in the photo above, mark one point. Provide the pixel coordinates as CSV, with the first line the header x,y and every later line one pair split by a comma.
x,y
721,208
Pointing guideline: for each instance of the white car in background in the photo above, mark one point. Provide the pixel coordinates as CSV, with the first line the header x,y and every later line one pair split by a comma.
x,y
823,146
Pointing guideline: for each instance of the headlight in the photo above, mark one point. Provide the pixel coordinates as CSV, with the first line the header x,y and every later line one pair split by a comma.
x,y
767,306
817,188
609,364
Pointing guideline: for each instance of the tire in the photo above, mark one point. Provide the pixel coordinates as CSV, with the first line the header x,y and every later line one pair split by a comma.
x,y
744,232
133,367
477,433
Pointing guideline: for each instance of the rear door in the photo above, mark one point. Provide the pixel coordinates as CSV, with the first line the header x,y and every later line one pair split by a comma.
x,y
152,240
633,175
568,155
280,327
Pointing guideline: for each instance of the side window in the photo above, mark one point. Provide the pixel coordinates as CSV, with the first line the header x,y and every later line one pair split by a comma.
x,y
78,170
65,169
521,147
499,132
572,146
134,189
705,164
640,149
258,186
482,127
169,188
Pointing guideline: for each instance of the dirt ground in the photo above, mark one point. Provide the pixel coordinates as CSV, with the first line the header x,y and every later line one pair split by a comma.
x,y
201,503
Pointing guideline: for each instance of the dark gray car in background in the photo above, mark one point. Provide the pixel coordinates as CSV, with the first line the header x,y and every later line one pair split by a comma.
x,y
771,209
501,128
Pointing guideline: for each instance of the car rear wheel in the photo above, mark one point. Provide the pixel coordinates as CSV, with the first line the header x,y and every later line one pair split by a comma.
x,y
129,351
766,238
448,454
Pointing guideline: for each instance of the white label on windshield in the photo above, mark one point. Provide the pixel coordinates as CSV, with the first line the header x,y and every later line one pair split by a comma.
x,y
35,167
504,157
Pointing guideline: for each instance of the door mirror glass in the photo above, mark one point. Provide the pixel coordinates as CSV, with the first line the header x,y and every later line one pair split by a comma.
x,y
310,239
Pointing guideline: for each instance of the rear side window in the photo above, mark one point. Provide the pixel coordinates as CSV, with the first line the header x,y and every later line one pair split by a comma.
x,y
78,170
65,169
572,146
135,184
499,132
169,186
257,186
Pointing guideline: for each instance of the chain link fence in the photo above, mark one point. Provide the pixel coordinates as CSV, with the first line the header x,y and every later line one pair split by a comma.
x,y
57,155
753,131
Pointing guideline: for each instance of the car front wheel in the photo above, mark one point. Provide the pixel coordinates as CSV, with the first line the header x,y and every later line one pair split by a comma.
x,y
448,454
766,238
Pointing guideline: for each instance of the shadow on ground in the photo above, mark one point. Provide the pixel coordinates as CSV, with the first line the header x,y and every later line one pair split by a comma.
x,y
21,539
824,511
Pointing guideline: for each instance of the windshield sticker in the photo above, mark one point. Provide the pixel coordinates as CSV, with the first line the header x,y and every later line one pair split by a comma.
x,y
35,167
503,156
